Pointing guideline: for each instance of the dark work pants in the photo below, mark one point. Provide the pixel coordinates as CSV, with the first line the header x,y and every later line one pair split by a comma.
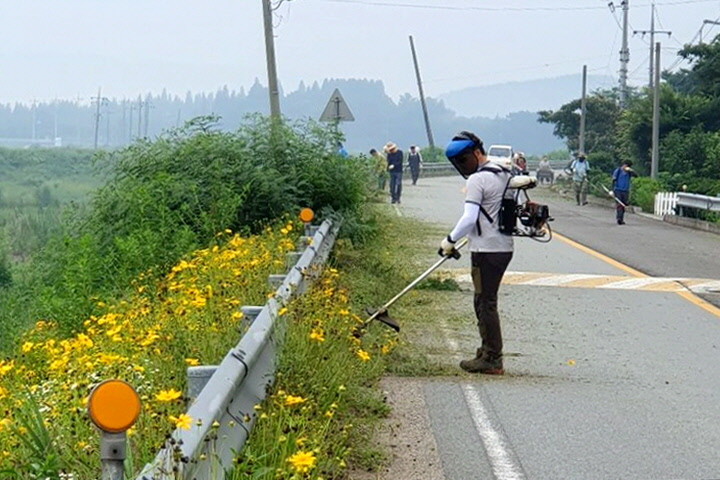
x,y
415,173
487,271
395,186
624,197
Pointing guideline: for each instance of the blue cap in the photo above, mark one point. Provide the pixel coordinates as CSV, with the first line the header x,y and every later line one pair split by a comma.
x,y
456,147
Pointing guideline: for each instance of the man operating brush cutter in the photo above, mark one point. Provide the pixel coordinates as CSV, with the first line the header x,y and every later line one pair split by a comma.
x,y
489,221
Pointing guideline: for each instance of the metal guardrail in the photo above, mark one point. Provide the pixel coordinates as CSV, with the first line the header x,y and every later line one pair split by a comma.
x,y
223,413
702,202
444,168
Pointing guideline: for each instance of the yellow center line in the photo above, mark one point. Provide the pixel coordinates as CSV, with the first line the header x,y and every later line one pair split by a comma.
x,y
687,295
600,256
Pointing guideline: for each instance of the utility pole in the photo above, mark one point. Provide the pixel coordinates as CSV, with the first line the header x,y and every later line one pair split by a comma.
x,y
97,118
624,55
273,89
655,159
581,140
652,33
422,96
706,22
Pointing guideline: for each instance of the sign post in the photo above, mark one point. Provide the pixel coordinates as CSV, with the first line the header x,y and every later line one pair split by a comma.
x,y
114,407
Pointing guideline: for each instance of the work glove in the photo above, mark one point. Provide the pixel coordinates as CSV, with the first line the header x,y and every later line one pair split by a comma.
x,y
447,247
523,182
390,167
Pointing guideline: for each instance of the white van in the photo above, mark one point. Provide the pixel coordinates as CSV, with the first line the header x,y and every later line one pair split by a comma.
x,y
501,154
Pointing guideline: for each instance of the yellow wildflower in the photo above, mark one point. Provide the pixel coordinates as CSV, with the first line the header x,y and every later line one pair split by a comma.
x,y
192,362
184,421
318,335
27,346
282,311
291,400
302,462
168,395
363,355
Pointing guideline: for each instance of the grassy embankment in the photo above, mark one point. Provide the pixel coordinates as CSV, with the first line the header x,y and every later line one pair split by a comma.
x,y
166,200
117,289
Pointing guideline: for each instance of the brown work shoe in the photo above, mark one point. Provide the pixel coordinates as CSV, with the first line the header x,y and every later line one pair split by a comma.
x,y
483,364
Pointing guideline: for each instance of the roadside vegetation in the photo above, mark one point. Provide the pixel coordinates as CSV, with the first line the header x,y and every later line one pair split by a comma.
x,y
148,277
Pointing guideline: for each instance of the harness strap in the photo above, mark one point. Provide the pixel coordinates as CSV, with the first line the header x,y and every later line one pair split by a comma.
x,y
482,209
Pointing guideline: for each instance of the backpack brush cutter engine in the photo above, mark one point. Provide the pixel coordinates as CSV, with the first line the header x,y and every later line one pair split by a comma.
x,y
381,314
534,220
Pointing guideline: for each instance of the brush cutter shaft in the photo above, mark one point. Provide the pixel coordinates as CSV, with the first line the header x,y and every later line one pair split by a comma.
x,y
419,279
613,196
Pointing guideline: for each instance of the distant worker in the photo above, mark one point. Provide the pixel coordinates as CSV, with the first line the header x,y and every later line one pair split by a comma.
x,y
621,189
544,171
579,169
341,150
414,161
395,166
379,167
519,164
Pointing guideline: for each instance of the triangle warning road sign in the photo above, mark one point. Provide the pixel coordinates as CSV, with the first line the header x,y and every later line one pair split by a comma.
x,y
336,109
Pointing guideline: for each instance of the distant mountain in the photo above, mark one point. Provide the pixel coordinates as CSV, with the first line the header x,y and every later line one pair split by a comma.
x,y
532,95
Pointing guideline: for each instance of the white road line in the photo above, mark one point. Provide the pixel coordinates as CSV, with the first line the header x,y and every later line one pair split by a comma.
x,y
707,287
555,280
635,283
501,459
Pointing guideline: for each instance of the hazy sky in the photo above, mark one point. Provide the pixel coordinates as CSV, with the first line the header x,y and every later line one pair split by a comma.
x,y
68,48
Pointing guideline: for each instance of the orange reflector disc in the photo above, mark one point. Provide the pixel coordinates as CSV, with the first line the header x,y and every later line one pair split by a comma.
x,y
114,406
307,215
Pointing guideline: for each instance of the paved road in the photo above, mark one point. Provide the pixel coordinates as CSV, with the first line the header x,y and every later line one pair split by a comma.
x,y
608,378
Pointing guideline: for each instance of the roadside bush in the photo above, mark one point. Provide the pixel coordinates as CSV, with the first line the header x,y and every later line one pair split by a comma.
x,y
643,192
603,161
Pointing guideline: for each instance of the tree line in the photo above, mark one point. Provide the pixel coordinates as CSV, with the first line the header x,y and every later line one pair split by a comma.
x,y
379,118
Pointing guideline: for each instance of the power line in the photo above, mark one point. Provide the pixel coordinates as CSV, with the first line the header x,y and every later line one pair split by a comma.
x,y
500,9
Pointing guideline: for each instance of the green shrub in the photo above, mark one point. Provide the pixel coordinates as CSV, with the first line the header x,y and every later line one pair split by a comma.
x,y
643,192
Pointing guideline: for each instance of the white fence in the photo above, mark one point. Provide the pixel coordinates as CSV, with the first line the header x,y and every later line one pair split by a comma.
x,y
665,203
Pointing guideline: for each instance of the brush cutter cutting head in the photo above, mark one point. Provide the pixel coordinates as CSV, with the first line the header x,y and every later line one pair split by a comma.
x,y
383,317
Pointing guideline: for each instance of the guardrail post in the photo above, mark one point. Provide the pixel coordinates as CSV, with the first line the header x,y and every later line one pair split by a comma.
x,y
197,378
112,455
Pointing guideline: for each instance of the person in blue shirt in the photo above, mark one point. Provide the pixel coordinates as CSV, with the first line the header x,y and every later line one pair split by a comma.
x,y
621,189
